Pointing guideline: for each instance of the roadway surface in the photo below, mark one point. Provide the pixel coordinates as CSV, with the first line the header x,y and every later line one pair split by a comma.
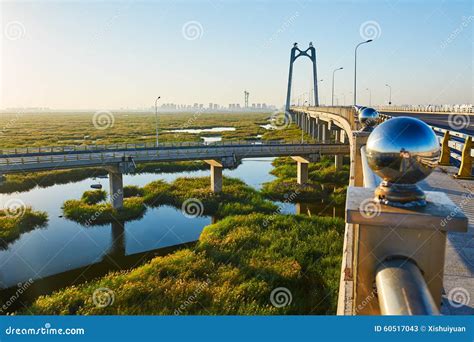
x,y
441,120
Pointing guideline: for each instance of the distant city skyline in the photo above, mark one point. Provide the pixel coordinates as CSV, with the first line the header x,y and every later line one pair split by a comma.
x,y
123,54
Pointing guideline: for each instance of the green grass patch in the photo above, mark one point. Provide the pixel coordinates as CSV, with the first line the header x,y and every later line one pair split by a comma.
x,y
93,196
324,183
101,213
12,225
237,198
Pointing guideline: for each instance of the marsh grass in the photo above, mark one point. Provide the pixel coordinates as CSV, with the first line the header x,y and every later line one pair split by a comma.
x,y
236,198
11,226
324,183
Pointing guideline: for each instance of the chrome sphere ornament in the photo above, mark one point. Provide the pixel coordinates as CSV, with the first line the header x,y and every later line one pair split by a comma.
x,y
402,151
368,117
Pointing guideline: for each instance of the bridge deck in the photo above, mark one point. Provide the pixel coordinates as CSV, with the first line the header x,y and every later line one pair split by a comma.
x,y
459,261
52,158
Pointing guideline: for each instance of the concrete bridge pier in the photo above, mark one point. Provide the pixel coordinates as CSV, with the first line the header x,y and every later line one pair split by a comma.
x,y
324,132
116,187
338,159
302,167
127,165
216,175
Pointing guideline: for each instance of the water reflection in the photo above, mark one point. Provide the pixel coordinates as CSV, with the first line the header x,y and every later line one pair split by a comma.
x,y
65,253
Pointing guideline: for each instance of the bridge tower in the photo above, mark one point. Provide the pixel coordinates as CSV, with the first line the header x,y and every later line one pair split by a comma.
x,y
310,52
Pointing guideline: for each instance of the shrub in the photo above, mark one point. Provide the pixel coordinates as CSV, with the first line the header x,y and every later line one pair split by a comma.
x,y
11,226
94,196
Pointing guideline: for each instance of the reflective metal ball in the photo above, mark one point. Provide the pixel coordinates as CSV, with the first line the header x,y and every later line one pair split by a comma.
x,y
402,150
368,116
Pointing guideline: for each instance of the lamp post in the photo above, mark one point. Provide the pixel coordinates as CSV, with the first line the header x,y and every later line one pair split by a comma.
x,y
355,69
156,118
390,94
332,97
370,96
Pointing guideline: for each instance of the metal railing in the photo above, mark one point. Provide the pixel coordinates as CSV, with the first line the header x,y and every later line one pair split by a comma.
x,y
402,290
49,150
371,180
462,108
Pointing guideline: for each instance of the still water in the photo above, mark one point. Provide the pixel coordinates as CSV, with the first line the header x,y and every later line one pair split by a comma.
x,y
64,252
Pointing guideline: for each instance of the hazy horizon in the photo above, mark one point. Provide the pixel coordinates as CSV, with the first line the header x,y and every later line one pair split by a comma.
x,y
123,54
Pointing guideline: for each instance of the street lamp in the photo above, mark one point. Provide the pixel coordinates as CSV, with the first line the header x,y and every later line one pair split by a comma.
x,y
355,69
370,96
390,94
332,97
156,118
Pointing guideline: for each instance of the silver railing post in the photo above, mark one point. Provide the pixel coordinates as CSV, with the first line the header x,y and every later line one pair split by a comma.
x,y
398,232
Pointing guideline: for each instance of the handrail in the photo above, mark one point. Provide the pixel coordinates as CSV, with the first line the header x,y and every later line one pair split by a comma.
x,y
371,180
402,290
465,108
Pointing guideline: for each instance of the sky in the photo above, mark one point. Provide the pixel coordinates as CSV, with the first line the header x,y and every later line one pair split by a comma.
x,y
123,54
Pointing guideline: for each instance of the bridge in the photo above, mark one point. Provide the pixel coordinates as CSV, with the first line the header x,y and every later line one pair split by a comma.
x,y
122,158
394,259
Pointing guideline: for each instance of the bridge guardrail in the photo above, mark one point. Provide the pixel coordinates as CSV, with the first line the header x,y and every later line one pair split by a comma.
x,y
30,151
458,109
13,163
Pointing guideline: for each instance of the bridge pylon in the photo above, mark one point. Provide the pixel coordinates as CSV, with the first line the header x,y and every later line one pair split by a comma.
x,y
310,52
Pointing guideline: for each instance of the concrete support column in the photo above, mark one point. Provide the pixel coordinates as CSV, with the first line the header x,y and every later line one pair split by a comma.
x,y
302,170
216,175
338,162
325,132
116,187
302,177
338,159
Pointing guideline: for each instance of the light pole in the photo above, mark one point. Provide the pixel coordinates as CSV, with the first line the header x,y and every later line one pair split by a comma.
x,y
390,94
370,96
355,69
156,118
332,97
